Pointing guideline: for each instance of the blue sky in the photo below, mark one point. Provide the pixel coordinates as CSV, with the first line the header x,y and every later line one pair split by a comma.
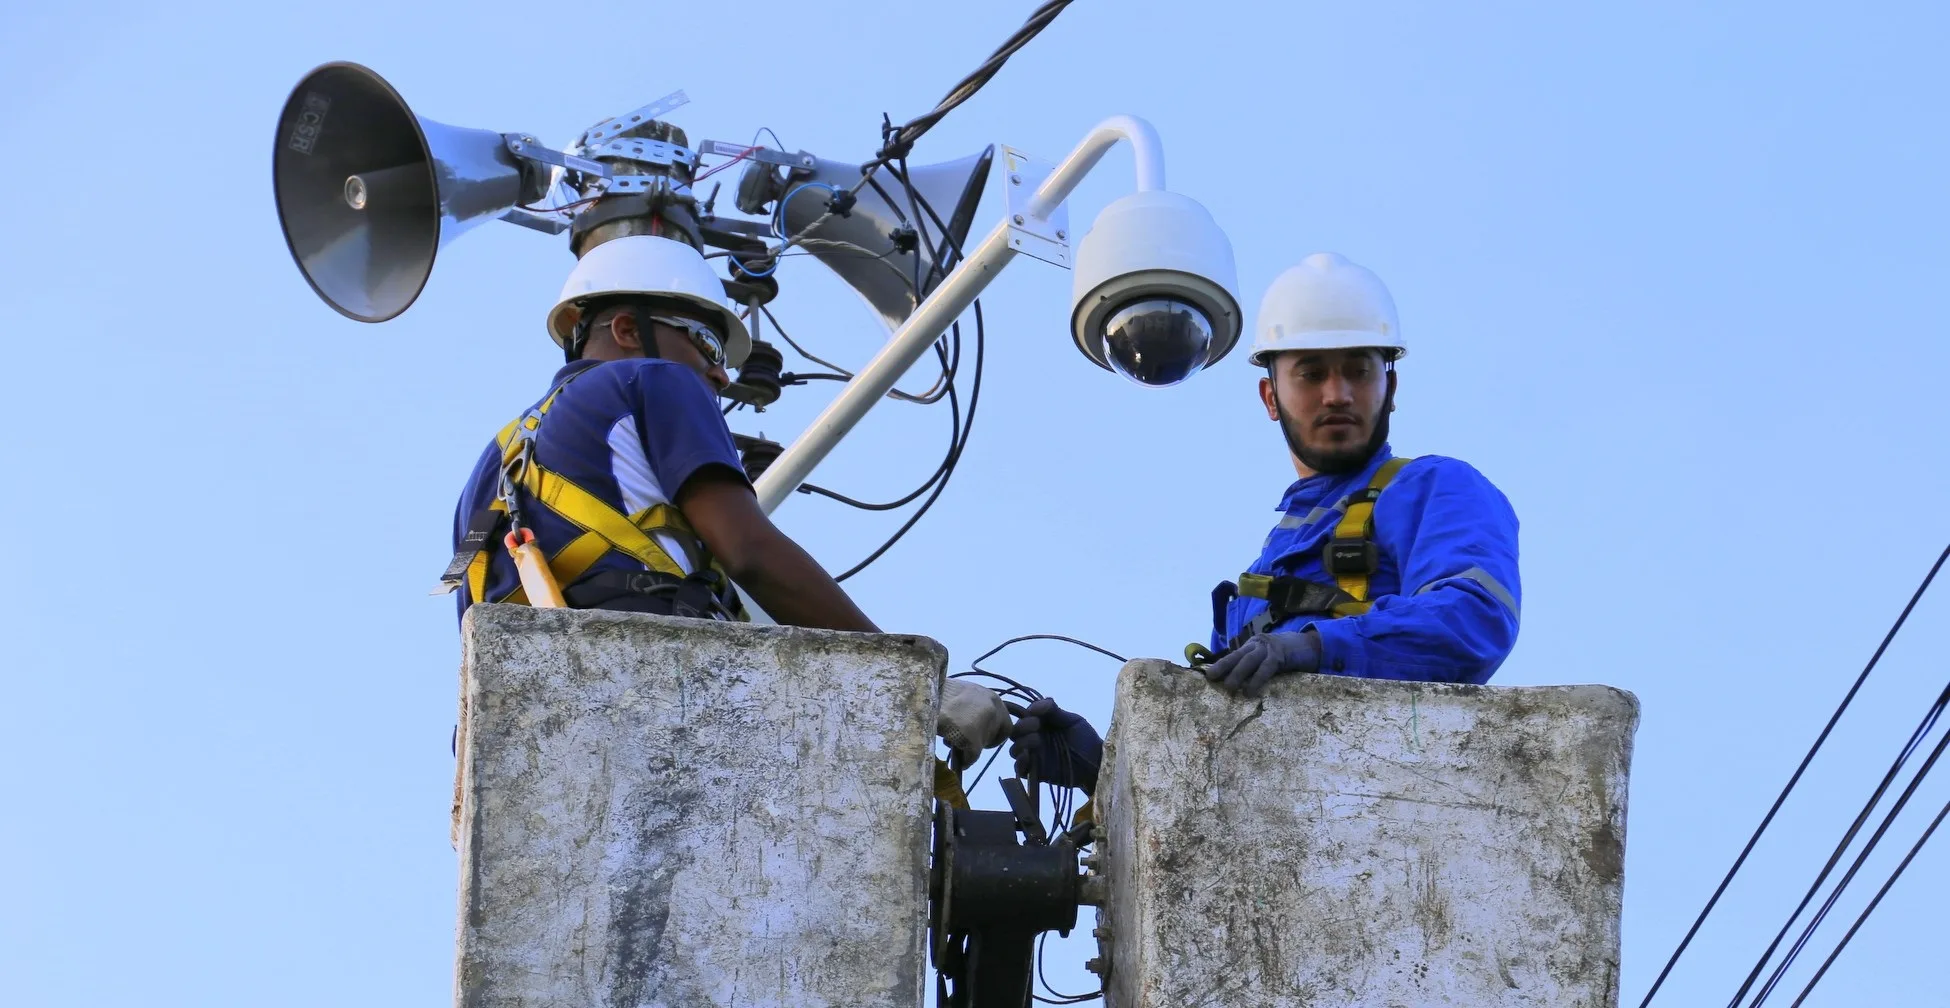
x,y
1672,278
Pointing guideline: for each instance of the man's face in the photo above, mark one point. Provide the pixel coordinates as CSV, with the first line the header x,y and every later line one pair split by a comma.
x,y
680,346
1332,405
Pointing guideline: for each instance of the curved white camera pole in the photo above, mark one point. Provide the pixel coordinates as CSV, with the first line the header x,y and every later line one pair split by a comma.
x,y
957,291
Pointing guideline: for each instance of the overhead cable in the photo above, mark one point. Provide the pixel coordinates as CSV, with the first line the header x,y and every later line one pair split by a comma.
x,y
1781,799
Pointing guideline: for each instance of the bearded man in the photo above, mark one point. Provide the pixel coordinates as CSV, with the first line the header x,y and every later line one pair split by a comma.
x,y
1380,566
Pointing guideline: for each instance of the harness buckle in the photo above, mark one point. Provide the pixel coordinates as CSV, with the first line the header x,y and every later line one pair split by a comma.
x,y
515,471
1344,557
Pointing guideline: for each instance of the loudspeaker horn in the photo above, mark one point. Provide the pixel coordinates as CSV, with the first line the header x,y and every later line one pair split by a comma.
x,y
873,265
368,193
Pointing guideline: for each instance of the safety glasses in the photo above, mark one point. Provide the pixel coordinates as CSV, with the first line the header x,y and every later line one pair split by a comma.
x,y
705,338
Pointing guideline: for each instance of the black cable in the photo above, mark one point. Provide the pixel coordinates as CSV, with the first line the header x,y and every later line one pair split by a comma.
x,y
845,375
940,470
895,143
1062,800
1056,997
1866,911
1929,722
1793,780
991,652
951,367
947,234
984,771
974,400
1029,692
899,140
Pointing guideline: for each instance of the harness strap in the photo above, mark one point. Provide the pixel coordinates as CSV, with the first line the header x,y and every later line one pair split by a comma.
x,y
604,527
1350,556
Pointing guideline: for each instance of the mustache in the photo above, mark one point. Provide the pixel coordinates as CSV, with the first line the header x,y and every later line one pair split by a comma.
x,y
1326,418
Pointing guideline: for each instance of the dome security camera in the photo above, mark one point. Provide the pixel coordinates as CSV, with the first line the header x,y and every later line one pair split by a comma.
x,y
1156,292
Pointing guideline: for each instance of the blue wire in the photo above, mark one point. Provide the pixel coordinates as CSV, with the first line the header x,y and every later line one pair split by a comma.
x,y
778,215
748,270
778,223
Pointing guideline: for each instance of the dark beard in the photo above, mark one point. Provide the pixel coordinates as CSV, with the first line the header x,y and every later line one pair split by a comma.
x,y
1338,461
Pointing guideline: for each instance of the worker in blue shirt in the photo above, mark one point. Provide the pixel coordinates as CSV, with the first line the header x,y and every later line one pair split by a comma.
x,y
623,474
624,481
1379,566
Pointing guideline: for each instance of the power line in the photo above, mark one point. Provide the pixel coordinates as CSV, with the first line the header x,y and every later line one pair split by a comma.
x,y
896,142
1873,903
1930,719
1781,799
899,140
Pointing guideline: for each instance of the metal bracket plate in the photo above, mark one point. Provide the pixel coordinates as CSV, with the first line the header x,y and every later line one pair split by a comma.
x,y
620,184
544,223
532,149
638,149
763,155
1046,238
617,125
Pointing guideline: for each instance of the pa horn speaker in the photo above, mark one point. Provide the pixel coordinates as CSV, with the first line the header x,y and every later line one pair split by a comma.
x,y
368,193
860,245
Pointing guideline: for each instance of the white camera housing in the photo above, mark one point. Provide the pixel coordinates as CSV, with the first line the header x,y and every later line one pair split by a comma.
x,y
1159,250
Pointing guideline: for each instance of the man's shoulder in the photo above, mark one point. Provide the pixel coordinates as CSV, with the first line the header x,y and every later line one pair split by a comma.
x,y
1434,473
627,369
635,383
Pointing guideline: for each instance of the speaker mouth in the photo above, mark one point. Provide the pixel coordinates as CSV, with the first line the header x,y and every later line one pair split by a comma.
x,y
357,195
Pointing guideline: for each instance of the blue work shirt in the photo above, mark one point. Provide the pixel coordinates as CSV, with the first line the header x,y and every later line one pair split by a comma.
x,y
632,432
1445,591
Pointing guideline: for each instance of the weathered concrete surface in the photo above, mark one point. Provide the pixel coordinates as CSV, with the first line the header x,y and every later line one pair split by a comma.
x,y
665,813
1349,842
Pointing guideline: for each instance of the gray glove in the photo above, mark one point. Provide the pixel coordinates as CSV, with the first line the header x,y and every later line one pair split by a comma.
x,y
972,719
1249,667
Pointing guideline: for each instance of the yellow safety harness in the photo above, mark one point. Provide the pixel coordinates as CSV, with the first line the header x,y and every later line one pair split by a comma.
x,y
604,527
1350,556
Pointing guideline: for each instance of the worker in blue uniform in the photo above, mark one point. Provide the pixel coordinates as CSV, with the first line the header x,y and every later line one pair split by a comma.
x,y
623,476
1380,566
625,483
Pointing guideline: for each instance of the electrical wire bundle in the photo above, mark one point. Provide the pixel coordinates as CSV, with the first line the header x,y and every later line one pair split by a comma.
x,y
943,255
1061,799
1928,724
948,351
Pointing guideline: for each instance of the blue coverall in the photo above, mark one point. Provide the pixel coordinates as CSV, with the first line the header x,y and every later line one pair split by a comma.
x,y
1445,592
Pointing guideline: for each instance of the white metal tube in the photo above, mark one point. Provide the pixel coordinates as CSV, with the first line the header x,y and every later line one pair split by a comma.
x,y
1145,145
940,309
933,316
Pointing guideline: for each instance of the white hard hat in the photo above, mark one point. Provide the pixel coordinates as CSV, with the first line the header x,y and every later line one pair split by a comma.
x,y
654,267
1326,303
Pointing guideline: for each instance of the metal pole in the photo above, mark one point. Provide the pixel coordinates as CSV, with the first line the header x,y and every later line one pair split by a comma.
x,y
870,384
956,292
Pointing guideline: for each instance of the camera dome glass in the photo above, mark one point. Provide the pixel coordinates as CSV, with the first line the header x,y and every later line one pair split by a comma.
x,y
1158,341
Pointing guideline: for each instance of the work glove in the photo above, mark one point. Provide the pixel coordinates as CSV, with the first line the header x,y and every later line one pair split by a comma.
x,y
1058,747
1248,668
972,719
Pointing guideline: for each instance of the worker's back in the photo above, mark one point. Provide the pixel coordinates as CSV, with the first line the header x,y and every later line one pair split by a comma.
x,y
630,433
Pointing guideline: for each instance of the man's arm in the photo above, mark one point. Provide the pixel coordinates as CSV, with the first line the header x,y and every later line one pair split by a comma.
x,y
1454,537
778,575
690,450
